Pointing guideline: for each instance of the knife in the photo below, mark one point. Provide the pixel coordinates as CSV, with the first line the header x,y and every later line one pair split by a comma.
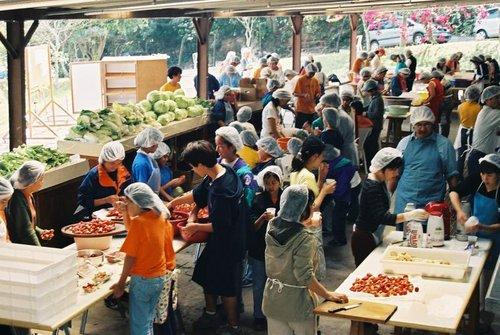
x,y
345,308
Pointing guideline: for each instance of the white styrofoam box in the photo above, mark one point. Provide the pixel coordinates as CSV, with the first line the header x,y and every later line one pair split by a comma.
x,y
120,67
123,98
28,289
38,315
34,265
459,262
120,82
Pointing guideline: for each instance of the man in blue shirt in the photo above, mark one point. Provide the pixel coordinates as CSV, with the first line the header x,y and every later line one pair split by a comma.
x,y
429,161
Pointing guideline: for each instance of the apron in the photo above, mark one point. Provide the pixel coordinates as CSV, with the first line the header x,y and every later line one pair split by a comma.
x,y
487,211
154,180
464,135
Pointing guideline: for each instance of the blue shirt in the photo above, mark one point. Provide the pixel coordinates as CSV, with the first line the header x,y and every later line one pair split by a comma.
x,y
166,176
230,80
427,164
142,168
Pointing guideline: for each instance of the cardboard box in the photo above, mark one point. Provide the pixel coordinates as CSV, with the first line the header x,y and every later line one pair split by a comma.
x,y
261,88
246,82
248,94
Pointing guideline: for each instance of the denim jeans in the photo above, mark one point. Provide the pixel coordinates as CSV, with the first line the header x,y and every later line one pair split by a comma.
x,y
144,295
259,281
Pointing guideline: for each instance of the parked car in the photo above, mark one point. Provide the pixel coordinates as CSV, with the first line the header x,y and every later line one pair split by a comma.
x,y
489,26
389,34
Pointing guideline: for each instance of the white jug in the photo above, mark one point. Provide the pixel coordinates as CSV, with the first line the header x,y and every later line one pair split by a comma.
x,y
435,228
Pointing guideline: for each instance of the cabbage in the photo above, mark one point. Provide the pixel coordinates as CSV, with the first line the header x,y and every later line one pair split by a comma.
x,y
171,105
104,138
151,115
179,92
161,107
164,119
181,101
153,96
166,95
145,105
181,114
194,111
191,102
74,134
91,138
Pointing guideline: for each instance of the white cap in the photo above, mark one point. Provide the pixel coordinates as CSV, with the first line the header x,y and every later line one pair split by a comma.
x,y
112,151
491,158
162,150
230,69
270,169
27,174
231,135
244,114
282,94
383,157
422,114
6,189
222,91
490,92
143,196
148,137
270,146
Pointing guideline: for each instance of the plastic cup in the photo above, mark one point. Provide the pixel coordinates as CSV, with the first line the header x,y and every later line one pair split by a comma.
x,y
316,218
330,181
271,210
471,223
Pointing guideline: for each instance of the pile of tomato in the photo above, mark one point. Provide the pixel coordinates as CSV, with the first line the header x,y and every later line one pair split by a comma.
x,y
203,213
186,208
383,286
114,213
95,226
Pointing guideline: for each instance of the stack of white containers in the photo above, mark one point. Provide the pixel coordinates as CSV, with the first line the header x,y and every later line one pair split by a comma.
x,y
36,283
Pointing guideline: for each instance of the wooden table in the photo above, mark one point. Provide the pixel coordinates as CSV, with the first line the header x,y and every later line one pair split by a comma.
x,y
423,310
394,128
86,300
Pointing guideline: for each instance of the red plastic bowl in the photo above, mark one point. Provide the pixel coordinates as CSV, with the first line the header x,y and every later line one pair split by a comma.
x,y
198,237
176,218
283,143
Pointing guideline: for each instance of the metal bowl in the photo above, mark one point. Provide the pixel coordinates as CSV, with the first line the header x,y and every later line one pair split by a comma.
x,y
94,256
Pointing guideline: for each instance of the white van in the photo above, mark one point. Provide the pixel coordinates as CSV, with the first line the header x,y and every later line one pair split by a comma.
x,y
489,26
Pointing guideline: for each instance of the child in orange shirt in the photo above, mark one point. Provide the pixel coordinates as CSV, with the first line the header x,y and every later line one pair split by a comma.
x,y
149,254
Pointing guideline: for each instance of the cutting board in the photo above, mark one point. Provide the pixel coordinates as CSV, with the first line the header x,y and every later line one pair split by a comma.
x,y
368,311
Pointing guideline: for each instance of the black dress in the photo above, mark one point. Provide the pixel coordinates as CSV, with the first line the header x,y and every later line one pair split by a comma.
x,y
218,270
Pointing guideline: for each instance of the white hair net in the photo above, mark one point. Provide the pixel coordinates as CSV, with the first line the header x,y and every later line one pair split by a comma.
x,y
293,202
311,68
347,94
112,151
235,59
148,137
270,169
282,94
230,69
331,116
143,196
6,189
472,93
238,126
383,157
490,92
244,114
162,150
405,71
270,146
27,174
231,135
263,61
381,69
222,91
491,158
422,114
272,84
330,100
249,138
437,74
370,85
294,145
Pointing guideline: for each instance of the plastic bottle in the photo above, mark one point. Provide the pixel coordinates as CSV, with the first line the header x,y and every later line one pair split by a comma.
x,y
409,207
460,234
415,234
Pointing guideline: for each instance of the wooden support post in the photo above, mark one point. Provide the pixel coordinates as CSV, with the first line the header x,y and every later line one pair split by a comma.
x,y
203,26
353,24
297,21
16,83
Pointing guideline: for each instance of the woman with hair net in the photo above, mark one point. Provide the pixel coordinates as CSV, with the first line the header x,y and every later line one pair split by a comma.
x,y
144,167
249,150
328,100
219,268
227,144
270,180
291,256
268,151
230,77
486,140
375,113
483,190
366,74
306,91
21,211
150,256
436,94
272,124
331,135
168,183
429,162
272,86
275,70
285,162
375,202
244,116
6,192
224,109
467,112
104,183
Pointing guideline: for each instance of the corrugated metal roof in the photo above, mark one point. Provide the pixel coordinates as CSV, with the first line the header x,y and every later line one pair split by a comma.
x,y
216,8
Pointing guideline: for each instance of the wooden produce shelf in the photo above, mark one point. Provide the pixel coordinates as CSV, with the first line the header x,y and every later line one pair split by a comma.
x,y
65,172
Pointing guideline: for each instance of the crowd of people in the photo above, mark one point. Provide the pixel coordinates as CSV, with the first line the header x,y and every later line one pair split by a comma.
x,y
273,199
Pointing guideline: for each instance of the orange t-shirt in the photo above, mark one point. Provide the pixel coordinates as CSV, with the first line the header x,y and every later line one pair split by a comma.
x,y
310,86
356,67
149,241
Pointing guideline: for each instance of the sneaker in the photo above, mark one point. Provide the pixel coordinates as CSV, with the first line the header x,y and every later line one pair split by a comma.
x,y
260,324
206,321
229,330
